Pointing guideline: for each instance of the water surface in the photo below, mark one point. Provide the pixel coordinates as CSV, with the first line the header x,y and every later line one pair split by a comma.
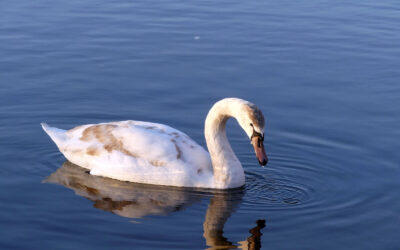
x,y
325,74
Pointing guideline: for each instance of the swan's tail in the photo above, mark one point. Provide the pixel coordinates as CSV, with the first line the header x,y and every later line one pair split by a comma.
x,y
56,134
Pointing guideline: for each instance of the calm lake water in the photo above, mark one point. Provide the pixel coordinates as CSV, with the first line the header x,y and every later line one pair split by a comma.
x,y
325,74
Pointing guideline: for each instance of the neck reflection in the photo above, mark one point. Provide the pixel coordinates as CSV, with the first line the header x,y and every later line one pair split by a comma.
x,y
133,200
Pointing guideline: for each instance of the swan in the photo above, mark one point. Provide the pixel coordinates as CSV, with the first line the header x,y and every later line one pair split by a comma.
x,y
153,153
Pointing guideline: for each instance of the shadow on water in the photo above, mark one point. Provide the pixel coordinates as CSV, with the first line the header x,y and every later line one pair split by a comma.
x,y
134,200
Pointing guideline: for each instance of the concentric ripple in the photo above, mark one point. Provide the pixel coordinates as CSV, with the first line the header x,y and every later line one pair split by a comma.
x,y
267,191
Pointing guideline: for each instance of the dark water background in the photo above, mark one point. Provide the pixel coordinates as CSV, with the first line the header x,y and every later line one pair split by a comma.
x,y
325,73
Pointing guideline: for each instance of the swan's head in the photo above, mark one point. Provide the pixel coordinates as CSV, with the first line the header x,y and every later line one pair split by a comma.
x,y
253,122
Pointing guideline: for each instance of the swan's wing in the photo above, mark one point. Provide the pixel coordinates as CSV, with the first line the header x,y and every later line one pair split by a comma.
x,y
136,151
160,144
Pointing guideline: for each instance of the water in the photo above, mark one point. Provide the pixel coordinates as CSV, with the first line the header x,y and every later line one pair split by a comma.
x,y
324,73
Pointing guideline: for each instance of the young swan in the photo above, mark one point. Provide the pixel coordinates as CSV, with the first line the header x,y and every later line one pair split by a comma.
x,y
154,153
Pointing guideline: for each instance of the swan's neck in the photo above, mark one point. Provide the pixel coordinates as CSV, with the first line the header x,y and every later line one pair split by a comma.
x,y
228,172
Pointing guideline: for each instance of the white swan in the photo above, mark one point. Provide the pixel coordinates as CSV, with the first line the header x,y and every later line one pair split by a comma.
x,y
154,153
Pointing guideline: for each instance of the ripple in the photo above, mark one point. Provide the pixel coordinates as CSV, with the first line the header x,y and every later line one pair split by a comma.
x,y
277,192
44,160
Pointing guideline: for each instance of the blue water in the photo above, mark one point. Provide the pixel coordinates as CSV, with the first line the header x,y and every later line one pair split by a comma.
x,y
325,74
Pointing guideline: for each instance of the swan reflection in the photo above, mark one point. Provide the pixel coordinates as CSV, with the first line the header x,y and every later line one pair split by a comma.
x,y
132,200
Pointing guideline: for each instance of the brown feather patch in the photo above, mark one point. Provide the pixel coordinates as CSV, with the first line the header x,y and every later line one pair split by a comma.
x,y
178,149
157,163
103,133
93,151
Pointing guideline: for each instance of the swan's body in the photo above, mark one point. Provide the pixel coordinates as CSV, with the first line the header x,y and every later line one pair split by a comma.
x,y
153,153
136,151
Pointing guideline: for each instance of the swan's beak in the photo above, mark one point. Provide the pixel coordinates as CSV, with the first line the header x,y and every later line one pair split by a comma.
x,y
259,150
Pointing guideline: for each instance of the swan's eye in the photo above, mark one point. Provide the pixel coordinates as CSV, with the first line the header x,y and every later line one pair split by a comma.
x,y
251,124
